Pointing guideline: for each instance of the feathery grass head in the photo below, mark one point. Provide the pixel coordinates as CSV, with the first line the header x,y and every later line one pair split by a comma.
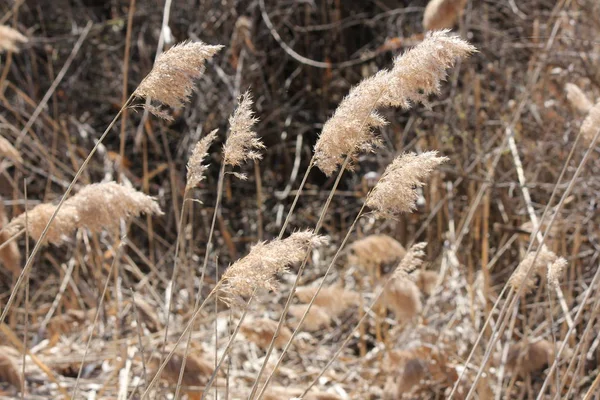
x,y
578,99
317,318
395,192
265,260
195,168
591,124
10,39
37,218
171,81
555,271
242,143
411,261
374,252
8,150
442,14
543,260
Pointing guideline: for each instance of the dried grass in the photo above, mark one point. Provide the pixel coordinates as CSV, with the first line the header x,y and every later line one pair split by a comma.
x,y
334,299
442,14
374,252
9,370
260,331
578,99
11,39
317,318
10,256
8,150
242,143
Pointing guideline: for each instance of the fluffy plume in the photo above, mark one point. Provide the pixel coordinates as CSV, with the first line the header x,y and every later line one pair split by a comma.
x,y
415,75
403,298
316,319
171,80
96,207
10,256
7,150
265,260
426,280
242,143
9,372
543,260
261,331
10,39
555,271
578,99
374,252
525,358
442,14
197,370
195,168
396,192
591,124
411,261
334,299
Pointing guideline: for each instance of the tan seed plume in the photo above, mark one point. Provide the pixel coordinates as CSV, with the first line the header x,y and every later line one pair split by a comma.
x,y
374,252
416,74
171,81
525,358
260,331
396,192
442,14
591,124
242,144
556,270
10,256
334,299
265,260
8,150
543,260
65,222
195,166
10,39
316,319
578,99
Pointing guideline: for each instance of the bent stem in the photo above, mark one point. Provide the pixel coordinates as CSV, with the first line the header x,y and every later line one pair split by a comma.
x,y
40,241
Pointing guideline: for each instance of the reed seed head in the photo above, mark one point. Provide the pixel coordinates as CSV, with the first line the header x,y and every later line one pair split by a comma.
x,y
37,218
556,270
10,256
591,124
544,259
242,143
578,99
10,39
8,150
265,260
442,14
171,80
195,166
316,319
374,252
334,299
396,192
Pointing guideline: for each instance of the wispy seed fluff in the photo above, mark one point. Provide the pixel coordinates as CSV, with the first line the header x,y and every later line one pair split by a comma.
x,y
171,80
265,260
96,207
415,75
195,166
578,99
10,39
242,143
591,124
395,192
544,259
556,270
411,261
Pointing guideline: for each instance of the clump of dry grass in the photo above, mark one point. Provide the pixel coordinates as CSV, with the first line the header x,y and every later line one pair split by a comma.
x,y
556,270
171,80
195,166
8,150
578,99
591,124
526,358
10,39
538,262
395,192
334,299
65,222
10,256
9,371
197,369
242,143
442,14
426,280
267,259
411,375
375,251
317,318
403,298
260,331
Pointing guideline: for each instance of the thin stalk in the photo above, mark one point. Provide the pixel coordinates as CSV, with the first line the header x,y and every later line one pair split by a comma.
x,y
13,237
39,243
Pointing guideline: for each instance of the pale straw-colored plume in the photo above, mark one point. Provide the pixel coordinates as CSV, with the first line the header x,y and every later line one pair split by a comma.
x,y
578,99
10,39
396,191
267,259
316,319
96,207
442,14
426,281
334,299
525,358
242,143
10,257
260,331
7,150
544,259
416,74
195,166
591,124
374,252
556,270
171,81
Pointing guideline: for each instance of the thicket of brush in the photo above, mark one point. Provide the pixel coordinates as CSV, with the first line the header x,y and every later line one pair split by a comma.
x,y
276,200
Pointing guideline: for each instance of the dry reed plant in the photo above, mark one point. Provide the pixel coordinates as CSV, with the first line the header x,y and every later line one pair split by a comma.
x,y
334,299
556,270
403,298
442,14
526,358
267,259
396,192
242,143
64,224
538,262
10,256
317,318
7,150
195,167
9,370
171,80
578,99
415,75
197,369
10,39
591,124
374,252
260,331
426,281
412,374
